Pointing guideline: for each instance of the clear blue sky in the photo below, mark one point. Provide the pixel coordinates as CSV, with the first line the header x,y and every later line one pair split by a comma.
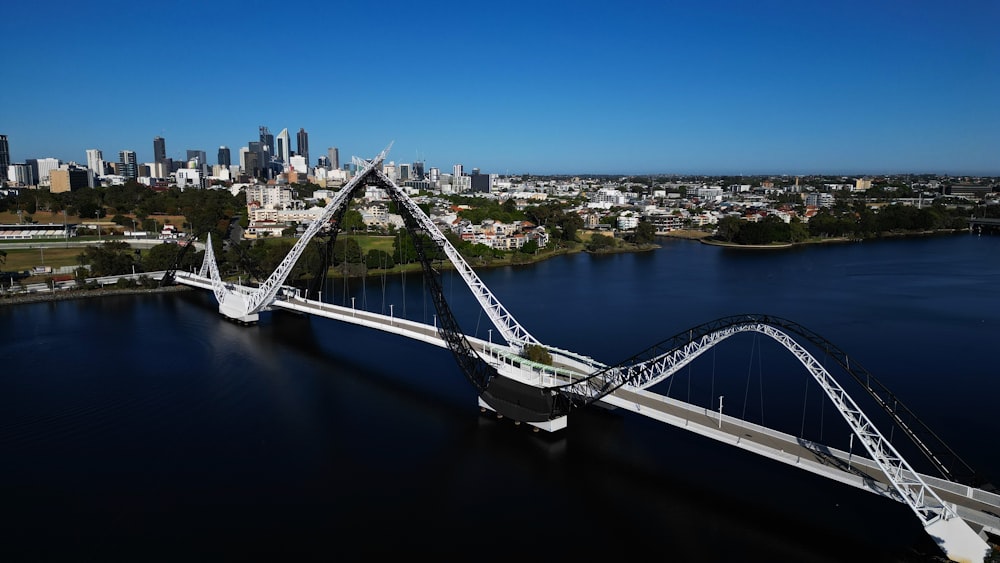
x,y
522,87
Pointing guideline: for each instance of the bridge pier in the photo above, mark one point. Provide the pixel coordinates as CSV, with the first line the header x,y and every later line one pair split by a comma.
x,y
552,425
958,541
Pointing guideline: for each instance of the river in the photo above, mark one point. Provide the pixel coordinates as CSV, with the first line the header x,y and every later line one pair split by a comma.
x,y
142,428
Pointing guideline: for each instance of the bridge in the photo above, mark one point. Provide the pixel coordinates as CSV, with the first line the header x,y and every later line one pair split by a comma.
x,y
951,505
980,224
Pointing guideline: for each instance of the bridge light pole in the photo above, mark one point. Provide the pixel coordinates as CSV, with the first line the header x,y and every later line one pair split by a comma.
x,y
353,312
435,323
390,314
720,411
850,452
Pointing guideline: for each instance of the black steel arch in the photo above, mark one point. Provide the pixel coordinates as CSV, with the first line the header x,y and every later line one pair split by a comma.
x,y
519,401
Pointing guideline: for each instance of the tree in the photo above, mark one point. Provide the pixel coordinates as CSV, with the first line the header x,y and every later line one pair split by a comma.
x,y
352,221
599,242
109,259
729,228
538,353
645,233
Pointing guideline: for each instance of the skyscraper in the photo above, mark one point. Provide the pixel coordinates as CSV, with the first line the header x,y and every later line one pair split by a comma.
x,y
283,147
159,149
95,161
4,157
225,159
265,150
333,153
302,144
128,166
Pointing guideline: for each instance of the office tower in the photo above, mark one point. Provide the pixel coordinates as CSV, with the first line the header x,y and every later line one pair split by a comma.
x,y
255,155
418,170
323,162
283,147
95,161
333,153
404,172
70,178
224,157
128,167
4,156
159,149
302,144
43,168
265,151
20,174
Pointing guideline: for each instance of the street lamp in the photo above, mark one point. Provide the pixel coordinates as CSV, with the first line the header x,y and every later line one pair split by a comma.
x,y
390,314
720,411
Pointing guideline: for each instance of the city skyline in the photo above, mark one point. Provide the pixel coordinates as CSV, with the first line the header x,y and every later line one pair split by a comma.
x,y
583,88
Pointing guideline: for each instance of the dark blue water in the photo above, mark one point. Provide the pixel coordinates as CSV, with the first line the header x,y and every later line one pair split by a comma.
x,y
138,428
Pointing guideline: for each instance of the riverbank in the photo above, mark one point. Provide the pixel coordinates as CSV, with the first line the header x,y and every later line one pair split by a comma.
x,y
68,294
831,240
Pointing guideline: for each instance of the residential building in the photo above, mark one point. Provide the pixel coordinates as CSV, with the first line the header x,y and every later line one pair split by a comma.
x,y
128,167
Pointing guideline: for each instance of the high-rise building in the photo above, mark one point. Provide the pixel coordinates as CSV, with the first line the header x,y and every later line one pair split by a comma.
x,y
225,159
159,149
418,170
70,178
333,153
43,167
283,147
265,151
458,170
128,166
4,156
302,144
20,174
95,161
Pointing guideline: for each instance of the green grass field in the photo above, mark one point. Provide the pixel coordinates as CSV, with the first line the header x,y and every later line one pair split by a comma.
x,y
20,259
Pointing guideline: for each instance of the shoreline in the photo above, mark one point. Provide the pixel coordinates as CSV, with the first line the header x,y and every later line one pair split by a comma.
x,y
831,240
80,293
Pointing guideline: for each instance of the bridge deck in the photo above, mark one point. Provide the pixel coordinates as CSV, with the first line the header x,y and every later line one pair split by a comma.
x,y
979,508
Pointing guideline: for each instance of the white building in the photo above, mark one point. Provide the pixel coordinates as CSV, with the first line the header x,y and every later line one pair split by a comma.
x,y
282,146
95,161
269,197
298,164
20,174
45,168
188,178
